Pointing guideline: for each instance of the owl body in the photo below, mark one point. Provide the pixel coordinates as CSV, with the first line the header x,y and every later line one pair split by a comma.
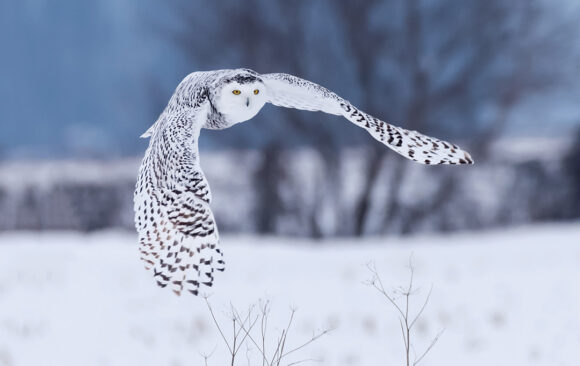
x,y
178,236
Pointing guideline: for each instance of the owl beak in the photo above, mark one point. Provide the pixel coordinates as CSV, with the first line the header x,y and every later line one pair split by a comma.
x,y
247,102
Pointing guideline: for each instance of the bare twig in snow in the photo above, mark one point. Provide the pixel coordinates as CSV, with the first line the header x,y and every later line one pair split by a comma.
x,y
206,356
245,331
406,320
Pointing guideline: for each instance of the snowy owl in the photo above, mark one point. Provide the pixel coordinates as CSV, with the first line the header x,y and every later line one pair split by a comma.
x,y
178,236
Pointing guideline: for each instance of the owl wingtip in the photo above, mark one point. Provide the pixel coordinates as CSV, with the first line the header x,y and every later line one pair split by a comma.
x,y
469,159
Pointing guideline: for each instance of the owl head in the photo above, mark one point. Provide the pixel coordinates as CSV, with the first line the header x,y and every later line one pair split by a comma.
x,y
241,97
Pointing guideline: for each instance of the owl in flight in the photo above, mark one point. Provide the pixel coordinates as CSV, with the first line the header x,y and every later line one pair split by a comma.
x,y
178,236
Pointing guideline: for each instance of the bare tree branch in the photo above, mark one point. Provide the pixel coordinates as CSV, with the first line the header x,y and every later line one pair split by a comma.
x,y
243,326
216,323
314,337
406,320
207,356
429,348
422,308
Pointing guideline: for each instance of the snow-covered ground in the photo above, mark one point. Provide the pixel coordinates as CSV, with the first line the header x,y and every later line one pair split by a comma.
x,y
504,298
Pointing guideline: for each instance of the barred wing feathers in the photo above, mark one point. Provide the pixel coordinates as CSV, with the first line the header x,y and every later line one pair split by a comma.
x,y
292,92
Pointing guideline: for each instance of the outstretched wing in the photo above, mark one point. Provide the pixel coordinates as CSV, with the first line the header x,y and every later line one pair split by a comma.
x,y
178,236
292,92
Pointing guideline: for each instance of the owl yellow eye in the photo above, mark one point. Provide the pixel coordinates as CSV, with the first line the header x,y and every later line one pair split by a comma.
x,y
236,92
256,91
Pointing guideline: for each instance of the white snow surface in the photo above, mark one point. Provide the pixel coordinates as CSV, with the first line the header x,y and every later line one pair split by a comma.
x,y
509,297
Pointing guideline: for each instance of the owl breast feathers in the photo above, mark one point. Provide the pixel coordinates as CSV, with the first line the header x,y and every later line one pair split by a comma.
x,y
178,236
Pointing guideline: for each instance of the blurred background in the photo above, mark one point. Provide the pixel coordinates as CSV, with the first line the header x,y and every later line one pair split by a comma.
x,y
80,81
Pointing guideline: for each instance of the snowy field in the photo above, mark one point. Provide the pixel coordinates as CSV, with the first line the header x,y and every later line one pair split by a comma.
x,y
504,298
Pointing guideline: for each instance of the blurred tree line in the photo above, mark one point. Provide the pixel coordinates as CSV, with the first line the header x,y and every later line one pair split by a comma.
x,y
454,69
451,68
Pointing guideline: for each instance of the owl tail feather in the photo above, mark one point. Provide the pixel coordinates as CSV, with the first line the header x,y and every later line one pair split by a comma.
x,y
184,268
